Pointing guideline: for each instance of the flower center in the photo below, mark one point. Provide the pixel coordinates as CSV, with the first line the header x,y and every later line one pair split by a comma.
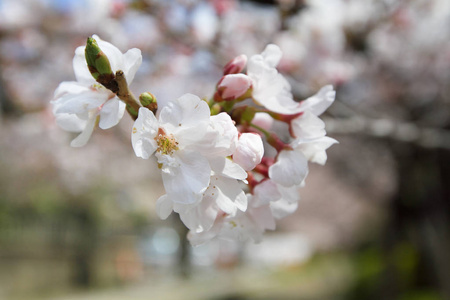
x,y
166,143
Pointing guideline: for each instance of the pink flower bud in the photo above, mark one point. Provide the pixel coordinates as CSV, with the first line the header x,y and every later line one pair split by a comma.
x,y
249,151
236,65
232,86
263,120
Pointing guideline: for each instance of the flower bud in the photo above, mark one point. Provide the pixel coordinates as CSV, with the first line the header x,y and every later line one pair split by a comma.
x,y
148,100
98,63
236,65
263,120
232,86
249,151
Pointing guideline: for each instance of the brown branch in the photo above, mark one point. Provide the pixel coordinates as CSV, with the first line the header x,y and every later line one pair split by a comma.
x,y
126,95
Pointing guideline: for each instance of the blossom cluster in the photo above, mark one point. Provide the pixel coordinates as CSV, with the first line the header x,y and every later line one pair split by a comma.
x,y
211,153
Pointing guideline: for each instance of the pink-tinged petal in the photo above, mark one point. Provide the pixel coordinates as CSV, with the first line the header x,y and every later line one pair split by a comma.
x,y
84,136
290,169
308,125
132,60
111,113
319,102
264,193
272,55
236,65
80,67
233,86
164,207
263,120
143,135
314,149
249,151
283,208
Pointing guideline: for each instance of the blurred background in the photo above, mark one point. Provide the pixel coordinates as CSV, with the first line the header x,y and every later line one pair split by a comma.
x,y
374,223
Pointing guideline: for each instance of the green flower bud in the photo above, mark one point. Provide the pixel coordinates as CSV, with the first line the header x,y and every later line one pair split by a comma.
x,y
149,101
98,63
146,99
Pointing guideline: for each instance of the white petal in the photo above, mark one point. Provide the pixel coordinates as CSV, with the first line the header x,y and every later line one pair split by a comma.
x,y
84,136
220,138
263,217
144,132
70,122
290,169
164,207
225,167
291,193
199,217
199,238
187,182
72,87
231,196
265,192
314,149
272,55
132,59
319,102
80,67
308,125
187,118
282,208
80,103
111,113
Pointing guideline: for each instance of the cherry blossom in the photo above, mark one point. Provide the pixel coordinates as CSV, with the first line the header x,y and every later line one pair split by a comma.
x,y
79,104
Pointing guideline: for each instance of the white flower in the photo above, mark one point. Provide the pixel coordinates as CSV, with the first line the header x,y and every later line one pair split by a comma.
x,y
79,104
174,138
273,91
249,151
270,88
223,194
248,225
309,131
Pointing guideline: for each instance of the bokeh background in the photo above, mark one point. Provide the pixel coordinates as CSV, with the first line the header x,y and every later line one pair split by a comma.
x,y
374,223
